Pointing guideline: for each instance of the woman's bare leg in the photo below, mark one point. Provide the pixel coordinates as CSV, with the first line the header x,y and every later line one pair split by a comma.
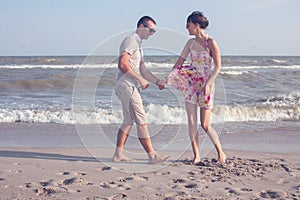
x,y
191,110
205,123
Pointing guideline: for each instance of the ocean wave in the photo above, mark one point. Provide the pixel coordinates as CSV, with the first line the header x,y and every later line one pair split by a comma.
x,y
285,107
71,66
292,98
269,110
260,67
234,72
83,66
166,115
64,82
225,69
240,113
279,61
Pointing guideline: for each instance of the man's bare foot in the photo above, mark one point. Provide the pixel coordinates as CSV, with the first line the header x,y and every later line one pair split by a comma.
x,y
196,161
119,156
155,158
222,158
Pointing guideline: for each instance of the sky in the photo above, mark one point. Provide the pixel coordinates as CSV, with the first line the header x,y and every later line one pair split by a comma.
x,y
77,27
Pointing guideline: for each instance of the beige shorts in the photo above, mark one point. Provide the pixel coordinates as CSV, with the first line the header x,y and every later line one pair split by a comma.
x,y
132,104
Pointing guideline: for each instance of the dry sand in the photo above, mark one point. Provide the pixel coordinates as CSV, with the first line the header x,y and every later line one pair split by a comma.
x,y
53,171
71,173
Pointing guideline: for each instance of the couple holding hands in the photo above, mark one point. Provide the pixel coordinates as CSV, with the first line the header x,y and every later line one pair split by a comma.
x,y
196,81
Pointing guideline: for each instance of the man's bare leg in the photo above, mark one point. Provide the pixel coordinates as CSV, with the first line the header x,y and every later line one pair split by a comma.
x,y
121,140
145,140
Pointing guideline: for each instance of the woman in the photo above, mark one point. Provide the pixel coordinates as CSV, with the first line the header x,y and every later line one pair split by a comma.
x,y
196,81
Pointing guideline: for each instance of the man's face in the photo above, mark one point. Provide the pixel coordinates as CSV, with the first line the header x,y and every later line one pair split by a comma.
x,y
148,29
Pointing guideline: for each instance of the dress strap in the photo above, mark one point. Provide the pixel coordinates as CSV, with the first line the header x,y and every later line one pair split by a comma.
x,y
192,44
206,45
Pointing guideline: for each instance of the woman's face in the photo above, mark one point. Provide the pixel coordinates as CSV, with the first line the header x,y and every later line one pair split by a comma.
x,y
191,27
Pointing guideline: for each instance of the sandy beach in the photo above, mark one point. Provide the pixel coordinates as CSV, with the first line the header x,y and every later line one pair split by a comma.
x,y
29,169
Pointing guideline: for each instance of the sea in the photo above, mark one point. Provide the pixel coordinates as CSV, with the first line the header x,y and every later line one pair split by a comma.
x,y
80,89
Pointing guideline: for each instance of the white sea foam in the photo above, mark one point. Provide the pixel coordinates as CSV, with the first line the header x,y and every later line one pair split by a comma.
x,y
76,66
279,61
260,67
240,113
270,110
233,69
83,66
234,72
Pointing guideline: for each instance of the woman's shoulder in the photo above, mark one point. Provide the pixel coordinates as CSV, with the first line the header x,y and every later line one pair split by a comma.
x,y
190,42
211,40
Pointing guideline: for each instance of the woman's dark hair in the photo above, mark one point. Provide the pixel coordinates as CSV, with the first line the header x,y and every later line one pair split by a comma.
x,y
144,20
198,18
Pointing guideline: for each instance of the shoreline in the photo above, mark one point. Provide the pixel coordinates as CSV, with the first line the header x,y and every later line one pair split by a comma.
x,y
280,139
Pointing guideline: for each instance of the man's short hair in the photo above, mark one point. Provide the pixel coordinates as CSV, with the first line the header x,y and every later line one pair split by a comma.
x,y
144,20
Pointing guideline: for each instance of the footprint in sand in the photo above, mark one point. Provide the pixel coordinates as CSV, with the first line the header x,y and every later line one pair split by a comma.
x,y
192,178
137,178
286,167
48,191
272,194
231,191
120,184
194,172
124,187
14,171
106,168
184,183
45,183
27,185
179,180
2,179
246,190
109,184
64,173
118,196
163,173
191,185
76,181
80,174
69,181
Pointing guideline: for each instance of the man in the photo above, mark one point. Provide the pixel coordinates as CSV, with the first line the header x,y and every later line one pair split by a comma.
x,y
132,72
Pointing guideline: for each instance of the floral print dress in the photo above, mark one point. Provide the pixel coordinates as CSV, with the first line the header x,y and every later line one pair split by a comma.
x,y
192,79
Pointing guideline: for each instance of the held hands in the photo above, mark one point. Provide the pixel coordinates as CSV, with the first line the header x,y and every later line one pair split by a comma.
x,y
161,84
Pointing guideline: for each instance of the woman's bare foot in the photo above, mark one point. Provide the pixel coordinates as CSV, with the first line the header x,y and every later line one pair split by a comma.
x,y
119,156
155,158
196,161
221,158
